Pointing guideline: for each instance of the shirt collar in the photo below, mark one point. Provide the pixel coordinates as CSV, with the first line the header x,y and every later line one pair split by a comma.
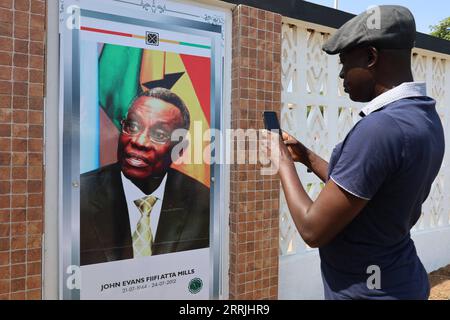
x,y
131,189
405,90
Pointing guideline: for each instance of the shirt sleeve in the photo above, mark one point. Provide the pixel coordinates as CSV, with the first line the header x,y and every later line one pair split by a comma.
x,y
371,153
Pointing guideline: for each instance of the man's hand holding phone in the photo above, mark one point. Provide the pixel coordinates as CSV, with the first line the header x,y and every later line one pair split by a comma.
x,y
297,150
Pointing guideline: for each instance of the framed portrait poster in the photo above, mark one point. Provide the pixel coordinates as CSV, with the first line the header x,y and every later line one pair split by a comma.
x,y
140,93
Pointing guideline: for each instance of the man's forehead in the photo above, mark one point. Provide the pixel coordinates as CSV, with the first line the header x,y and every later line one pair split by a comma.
x,y
154,109
355,51
151,104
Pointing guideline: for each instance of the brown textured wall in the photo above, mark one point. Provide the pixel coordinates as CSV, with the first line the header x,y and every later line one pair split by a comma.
x,y
254,199
22,47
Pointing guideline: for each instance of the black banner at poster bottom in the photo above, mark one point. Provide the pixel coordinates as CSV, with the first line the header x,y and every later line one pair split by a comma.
x,y
228,309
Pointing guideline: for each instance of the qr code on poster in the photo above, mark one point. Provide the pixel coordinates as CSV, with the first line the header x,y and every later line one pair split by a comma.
x,y
152,38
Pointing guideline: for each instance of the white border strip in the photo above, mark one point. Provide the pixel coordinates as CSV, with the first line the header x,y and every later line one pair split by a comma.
x,y
356,195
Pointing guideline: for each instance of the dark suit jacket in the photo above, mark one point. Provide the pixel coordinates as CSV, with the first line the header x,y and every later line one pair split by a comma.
x,y
105,233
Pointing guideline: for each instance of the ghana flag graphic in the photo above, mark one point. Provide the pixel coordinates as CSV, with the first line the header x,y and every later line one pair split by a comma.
x,y
124,72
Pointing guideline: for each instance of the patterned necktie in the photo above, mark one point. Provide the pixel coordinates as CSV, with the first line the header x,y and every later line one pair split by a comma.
x,y
142,237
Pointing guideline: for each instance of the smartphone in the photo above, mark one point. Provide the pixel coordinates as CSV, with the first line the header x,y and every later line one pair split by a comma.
x,y
271,121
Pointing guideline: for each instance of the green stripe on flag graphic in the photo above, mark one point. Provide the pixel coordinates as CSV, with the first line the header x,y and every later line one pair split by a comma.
x,y
195,45
119,71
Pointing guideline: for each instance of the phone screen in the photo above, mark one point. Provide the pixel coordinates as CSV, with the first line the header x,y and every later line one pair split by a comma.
x,y
271,121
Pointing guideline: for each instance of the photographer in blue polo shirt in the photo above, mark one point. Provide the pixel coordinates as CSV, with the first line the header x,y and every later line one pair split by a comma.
x,y
379,176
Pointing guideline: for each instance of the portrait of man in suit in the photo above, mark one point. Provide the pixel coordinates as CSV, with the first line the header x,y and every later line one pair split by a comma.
x,y
140,206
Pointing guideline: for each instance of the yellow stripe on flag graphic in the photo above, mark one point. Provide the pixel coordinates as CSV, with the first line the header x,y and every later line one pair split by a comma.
x,y
153,67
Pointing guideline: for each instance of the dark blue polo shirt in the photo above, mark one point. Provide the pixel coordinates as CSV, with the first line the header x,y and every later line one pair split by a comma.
x,y
390,158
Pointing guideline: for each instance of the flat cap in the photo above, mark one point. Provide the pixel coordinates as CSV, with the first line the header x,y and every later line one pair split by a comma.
x,y
384,27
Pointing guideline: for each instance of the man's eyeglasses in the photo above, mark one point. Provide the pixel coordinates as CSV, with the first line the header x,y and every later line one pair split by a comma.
x,y
133,128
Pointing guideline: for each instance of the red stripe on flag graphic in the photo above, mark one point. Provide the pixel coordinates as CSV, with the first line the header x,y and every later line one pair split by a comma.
x,y
199,70
107,32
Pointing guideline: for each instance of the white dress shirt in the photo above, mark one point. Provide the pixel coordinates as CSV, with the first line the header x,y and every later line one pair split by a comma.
x,y
403,91
132,192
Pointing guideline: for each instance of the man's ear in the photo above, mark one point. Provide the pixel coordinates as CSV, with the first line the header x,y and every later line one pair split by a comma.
x,y
373,55
184,145
178,150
